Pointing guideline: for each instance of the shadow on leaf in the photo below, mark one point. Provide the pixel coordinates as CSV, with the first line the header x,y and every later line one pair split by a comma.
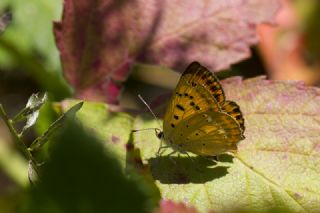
x,y
182,170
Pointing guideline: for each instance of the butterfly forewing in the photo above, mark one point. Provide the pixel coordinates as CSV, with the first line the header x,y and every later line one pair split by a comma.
x,y
198,74
186,101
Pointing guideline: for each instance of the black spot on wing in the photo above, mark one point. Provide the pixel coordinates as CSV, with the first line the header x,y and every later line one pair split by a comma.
x,y
179,94
180,107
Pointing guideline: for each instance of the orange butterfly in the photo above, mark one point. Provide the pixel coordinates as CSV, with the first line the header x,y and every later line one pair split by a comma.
x,y
199,119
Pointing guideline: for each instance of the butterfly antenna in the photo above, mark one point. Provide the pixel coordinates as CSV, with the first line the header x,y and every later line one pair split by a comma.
x,y
145,103
138,130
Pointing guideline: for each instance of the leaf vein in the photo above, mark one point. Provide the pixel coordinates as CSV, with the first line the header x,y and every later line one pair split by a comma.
x,y
271,182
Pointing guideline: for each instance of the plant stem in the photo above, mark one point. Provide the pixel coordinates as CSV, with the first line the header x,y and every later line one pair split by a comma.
x,y
18,140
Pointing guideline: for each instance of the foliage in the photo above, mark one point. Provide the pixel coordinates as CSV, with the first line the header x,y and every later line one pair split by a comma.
x,y
28,45
88,159
120,33
276,165
81,176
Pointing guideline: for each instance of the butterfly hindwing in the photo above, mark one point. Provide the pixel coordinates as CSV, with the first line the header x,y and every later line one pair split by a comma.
x,y
207,133
232,109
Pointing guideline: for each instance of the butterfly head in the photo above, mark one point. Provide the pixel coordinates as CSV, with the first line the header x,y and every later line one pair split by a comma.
x,y
159,133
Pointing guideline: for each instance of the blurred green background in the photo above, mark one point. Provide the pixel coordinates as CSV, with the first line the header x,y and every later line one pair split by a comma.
x,y
29,59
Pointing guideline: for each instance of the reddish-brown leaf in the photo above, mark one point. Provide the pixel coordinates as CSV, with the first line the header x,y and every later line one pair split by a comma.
x,y
99,40
168,206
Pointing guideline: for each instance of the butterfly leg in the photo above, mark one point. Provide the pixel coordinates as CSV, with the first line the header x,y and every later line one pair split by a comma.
x,y
161,147
170,157
189,156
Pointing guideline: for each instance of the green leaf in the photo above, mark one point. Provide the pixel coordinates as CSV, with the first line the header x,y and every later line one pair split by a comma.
x,y
82,176
136,170
114,132
277,165
38,142
113,129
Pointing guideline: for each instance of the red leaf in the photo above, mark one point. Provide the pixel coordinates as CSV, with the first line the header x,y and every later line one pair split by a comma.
x,y
216,34
99,40
89,38
106,90
168,206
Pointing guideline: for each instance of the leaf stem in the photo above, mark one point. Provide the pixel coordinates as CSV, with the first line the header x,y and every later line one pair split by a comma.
x,y
18,140
20,115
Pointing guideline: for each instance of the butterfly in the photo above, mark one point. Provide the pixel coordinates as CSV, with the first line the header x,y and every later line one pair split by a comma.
x,y
198,118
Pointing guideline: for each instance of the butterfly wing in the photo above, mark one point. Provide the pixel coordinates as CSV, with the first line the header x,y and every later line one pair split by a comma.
x,y
186,101
198,118
197,74
232,109
207,133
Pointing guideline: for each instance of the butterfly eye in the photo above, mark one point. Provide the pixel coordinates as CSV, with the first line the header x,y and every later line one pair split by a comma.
x,y
159,133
